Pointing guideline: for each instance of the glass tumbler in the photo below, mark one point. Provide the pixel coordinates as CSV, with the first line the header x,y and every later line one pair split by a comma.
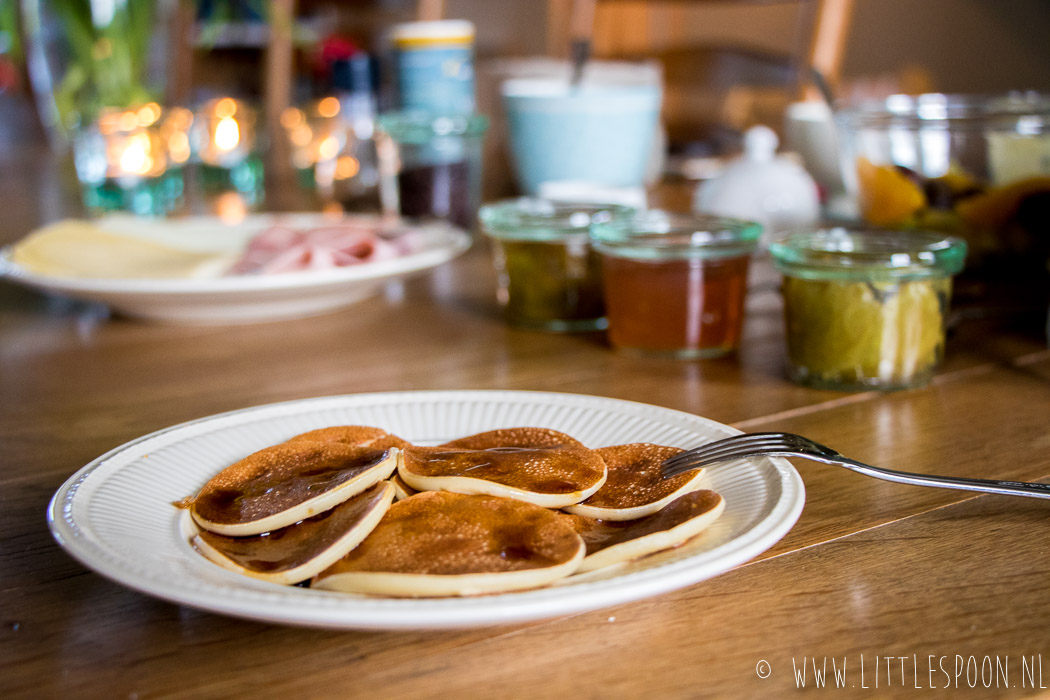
x,y
549,277
430,165
865,308
674,284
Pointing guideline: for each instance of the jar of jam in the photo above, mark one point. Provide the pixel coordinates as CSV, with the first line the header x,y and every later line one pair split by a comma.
x,y
674,284
865,308
548,276
430,165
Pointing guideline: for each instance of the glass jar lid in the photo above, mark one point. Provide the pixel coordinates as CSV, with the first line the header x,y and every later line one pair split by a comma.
x,y
856,253
422,127
535,219
662,235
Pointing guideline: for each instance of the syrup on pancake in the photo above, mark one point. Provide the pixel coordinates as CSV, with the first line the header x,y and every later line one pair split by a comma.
x,y
612,542
298,552
636,487
285,483
442,544
549,476
514,437
357,435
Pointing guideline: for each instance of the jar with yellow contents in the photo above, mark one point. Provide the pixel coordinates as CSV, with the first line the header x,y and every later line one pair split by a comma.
x,y
866,308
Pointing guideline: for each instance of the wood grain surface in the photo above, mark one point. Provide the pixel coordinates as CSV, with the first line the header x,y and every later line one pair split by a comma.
x,y
871,568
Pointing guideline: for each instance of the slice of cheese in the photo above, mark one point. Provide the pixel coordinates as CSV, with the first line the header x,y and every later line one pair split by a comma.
x,y
79,249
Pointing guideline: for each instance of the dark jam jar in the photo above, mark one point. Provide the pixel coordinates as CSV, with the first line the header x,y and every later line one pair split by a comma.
x,y
548,277
430,165
675,283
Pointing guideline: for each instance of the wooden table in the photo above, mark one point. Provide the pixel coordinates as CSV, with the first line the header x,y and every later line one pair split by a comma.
x,y
928,578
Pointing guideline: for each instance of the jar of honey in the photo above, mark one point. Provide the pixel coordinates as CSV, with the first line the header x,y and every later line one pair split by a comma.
x,y
674,284
548,278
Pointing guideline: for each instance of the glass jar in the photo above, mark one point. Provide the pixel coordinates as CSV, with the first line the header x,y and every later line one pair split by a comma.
x,y
430,165
674,284
865,308
548,277
972,166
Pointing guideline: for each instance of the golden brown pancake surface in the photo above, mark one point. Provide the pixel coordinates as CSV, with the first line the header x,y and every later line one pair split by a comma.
x,y
634,476
601,534
280,477
557,469
293,546
447,534
359,435
514,437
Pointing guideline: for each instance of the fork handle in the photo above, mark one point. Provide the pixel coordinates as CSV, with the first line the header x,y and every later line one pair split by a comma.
x,y
1006,488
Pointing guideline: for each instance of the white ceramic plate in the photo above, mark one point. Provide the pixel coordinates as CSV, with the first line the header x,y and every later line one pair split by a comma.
x,y
115,515
242,298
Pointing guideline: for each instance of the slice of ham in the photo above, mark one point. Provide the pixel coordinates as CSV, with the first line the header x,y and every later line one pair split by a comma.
x,y
281,248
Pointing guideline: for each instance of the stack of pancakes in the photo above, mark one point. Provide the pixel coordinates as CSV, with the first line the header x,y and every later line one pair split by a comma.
x,y
356,509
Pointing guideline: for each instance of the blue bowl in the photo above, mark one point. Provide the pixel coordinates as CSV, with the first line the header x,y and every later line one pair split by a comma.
x,y
599,133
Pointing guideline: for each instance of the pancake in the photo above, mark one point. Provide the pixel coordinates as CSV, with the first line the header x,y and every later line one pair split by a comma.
x,y
514,437
358,435
401,489
614,542
635,487
551,476
300,551
447,544
283,484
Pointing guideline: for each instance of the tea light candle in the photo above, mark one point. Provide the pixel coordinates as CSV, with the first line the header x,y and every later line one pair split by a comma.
x,y
225,132
129,159
131,144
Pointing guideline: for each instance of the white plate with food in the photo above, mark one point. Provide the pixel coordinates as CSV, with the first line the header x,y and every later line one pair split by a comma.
x,y
200,270
116,515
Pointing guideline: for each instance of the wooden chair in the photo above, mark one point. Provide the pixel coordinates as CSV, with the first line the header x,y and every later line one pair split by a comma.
x,y
733,84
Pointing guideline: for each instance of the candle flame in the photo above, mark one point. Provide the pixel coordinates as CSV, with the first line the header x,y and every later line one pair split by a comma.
x,y
137,158
227,134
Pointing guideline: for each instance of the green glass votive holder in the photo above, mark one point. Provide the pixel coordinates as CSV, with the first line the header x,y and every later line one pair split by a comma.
x,y
130,160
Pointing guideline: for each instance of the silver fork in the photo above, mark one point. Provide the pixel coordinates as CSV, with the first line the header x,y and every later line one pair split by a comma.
x,y
790,445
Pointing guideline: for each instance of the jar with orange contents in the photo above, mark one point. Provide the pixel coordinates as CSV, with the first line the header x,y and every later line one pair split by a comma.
x,y
674,284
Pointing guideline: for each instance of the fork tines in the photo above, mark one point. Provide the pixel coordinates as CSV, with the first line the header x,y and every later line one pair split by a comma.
x,y
729,447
